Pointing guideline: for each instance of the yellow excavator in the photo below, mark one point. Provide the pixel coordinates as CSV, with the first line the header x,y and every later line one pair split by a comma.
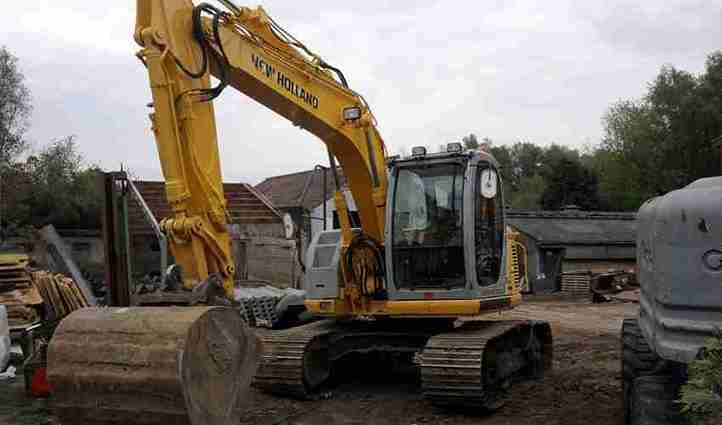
x,y
429,259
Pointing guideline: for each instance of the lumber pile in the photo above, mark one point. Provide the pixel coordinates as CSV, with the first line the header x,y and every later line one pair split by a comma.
x,y
60,294
576,283
24,293
17,292
22,306
14,272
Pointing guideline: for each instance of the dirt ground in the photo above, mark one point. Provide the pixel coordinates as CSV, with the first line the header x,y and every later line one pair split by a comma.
x,y
583,389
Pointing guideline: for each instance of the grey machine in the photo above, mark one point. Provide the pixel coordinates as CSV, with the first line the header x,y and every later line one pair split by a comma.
x,y
679,258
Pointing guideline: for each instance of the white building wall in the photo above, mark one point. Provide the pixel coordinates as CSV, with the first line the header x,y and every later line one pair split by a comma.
x,y
317,214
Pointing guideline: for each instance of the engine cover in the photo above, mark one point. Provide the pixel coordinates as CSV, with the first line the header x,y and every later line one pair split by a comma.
x,y
322,260
679,260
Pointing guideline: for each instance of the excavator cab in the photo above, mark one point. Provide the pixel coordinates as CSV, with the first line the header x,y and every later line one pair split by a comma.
x,y
444,237
446,224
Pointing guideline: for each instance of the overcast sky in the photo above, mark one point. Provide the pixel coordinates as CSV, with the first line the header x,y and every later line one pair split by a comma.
x,y
432,72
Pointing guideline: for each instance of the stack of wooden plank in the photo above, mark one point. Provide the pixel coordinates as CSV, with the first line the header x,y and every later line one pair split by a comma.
x,y
14,272
24,292
60,294
576,283
22,305
17,292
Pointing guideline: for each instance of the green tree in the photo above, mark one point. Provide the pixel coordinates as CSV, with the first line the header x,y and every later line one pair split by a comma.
x,y
527,159
710,89
529,194
552,156
53,187
619,182
15,108
502,154
534,179
665,140
569,183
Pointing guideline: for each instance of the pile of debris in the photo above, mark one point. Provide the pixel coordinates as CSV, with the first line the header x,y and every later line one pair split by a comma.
x,y
260,304
263,305
602,287
17,292
617,285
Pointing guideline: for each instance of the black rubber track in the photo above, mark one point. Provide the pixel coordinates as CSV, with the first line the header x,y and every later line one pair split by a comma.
x,y
653,401
649,386
469,365
461,367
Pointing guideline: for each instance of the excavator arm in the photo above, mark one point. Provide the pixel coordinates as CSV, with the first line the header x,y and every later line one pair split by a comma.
x,y
182,47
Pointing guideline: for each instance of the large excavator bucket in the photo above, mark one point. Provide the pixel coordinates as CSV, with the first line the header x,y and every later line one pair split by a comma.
x,y
151,365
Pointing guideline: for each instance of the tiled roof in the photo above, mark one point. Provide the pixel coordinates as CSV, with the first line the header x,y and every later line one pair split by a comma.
x,y
245,205
575,227
303,189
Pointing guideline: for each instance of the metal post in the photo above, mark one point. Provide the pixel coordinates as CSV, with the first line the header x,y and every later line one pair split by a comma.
x,y
162,240
334,171
2,233
325,192
116,239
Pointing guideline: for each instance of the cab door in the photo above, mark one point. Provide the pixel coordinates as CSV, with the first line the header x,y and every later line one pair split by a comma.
x,y
488,225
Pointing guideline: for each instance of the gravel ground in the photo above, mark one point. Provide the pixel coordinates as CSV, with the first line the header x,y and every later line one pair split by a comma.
x,y
583,389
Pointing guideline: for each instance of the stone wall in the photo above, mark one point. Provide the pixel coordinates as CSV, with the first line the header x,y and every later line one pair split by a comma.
x,y
273,260
267,254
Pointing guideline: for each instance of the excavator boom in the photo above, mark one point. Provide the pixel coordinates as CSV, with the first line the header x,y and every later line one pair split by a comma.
x,y
243,48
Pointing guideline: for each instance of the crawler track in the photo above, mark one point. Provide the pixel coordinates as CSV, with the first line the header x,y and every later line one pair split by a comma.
x,y
283,362
469,365
297,361
472,365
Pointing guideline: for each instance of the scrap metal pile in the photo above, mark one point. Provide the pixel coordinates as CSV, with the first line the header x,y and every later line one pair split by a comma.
x,y
618,284
268,306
